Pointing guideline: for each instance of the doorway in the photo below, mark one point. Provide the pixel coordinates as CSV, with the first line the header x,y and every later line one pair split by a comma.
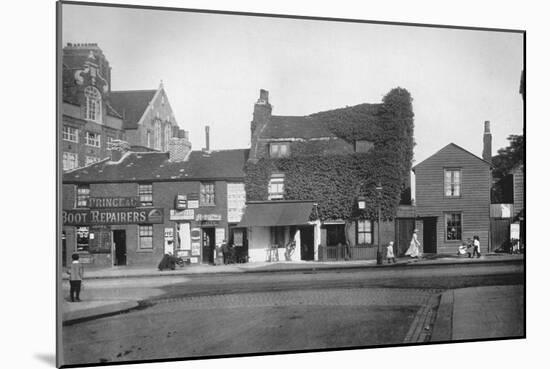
x,y
404,228
307,250
119,240
430,235
208,245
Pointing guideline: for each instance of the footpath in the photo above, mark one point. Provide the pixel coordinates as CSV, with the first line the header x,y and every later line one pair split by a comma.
x,y
468,313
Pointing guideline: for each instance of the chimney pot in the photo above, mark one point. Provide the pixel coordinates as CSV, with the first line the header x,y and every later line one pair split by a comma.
x,y
207,133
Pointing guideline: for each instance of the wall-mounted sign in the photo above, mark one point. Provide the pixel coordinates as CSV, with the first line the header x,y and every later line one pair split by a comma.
x,y
113,216
181,202
184,236
220,236
236,199
196,234
194,260
113,202
192,204
514,231
169,241
195,248
188,214
208,217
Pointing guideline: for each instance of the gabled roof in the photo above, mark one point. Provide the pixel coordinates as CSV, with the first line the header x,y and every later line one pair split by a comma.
x,y
156,167
454,146
131,105
315,125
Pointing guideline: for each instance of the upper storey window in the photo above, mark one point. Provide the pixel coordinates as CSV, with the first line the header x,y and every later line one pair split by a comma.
x,y
92,109
452,182
279,149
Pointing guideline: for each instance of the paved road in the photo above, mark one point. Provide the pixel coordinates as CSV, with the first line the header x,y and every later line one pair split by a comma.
x,y
277,312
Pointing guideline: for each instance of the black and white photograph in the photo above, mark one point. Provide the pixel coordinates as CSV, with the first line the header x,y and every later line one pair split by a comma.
x,y
235,184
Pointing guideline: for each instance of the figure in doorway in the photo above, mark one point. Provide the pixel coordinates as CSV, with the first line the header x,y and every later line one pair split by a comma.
x,y
413,251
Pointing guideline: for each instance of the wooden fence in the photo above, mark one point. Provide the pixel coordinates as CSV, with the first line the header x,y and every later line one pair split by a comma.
x,y
335,253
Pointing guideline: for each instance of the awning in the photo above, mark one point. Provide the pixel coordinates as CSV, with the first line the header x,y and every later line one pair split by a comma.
x,y
276,213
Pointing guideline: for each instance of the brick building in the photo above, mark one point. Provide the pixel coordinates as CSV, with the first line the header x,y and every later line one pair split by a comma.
x,y
274,217
139,206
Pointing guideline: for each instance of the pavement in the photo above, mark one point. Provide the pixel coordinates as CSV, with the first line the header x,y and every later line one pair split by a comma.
x,y
467,313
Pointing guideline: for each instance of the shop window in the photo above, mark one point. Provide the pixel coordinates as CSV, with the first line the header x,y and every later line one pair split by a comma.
x,y
145,193
93,139
208,194
452,182
145,237
70,160
336,234
364,232
92,109
82,196
82,239
453,226
276,187
70,134
279,149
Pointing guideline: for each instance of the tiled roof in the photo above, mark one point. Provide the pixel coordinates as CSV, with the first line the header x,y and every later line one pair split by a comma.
x,y
314,125
131,105
156,167
452,145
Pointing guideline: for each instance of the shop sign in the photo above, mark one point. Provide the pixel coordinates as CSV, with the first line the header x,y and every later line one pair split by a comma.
x,y
192,204
194,260
208,217
195,248
236,199
113,202
196,234
188,214
113,216
514,231
181,202
169,240
220,236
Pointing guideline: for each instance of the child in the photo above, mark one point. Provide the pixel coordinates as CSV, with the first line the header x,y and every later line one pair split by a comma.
x,y
477,247
76,272
389,253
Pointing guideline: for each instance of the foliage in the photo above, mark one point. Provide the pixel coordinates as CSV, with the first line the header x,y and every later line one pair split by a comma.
x,y
509,156
335,181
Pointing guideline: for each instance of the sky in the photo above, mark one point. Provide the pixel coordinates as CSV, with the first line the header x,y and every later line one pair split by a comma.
x,y
213,66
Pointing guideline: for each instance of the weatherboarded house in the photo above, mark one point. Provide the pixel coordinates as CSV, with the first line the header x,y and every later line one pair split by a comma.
x,y
453,199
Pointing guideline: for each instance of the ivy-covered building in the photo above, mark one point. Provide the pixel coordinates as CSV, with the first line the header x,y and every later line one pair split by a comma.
x,y
305,175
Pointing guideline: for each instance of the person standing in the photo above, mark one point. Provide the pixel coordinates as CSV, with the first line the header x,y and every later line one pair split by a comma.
x,y
413,251
477,247
389,253
76,273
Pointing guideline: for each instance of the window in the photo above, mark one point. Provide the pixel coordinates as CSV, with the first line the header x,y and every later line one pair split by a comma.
x,y
453,226
92,109
145,193
110,142
336,234
149,139
82,239
82,196
93,139
157,135
452,182
279,149
91,159
70,160
276,188
208,194
363,145
364,232
70,134
145,233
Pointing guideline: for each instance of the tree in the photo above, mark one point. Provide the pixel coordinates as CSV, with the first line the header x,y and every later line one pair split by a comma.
x,y
509,156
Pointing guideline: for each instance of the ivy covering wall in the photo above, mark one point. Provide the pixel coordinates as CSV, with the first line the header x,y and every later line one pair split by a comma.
x,y
335,181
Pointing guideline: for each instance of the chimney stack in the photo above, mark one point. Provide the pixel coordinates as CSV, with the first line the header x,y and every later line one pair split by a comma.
x,y
207,135
179,145
487,143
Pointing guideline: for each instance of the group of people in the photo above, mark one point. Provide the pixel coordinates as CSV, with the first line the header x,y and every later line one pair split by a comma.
x,y
413,251
475,245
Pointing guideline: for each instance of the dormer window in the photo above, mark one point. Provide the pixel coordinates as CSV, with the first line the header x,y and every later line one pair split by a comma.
x,y
279,149
363,145
92,109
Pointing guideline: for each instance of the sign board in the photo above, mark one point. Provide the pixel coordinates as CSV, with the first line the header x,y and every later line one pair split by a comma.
x,y
184,236
188,214
196,234
113,202
195,248
208,217
113,216
194,260
236,199
238,237
514,231
192,204
169,241
220,236
181,202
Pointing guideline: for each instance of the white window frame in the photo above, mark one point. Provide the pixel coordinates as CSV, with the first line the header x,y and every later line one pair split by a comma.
x,y
208,194
92,109
70,134
452,182
279,149
276,187
70,160
145,194
82,196
145,232
362,231
460,226
90,159
93,139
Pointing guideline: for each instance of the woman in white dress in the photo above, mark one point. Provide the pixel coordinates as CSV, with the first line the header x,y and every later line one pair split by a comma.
x,y
413,250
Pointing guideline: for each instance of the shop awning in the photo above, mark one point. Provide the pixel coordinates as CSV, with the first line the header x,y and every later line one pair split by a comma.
x,y
276,213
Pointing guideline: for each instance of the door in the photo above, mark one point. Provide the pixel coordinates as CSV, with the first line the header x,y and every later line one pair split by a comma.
x,y
307,249
430,235
500,234
208,245
119,240
404,228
